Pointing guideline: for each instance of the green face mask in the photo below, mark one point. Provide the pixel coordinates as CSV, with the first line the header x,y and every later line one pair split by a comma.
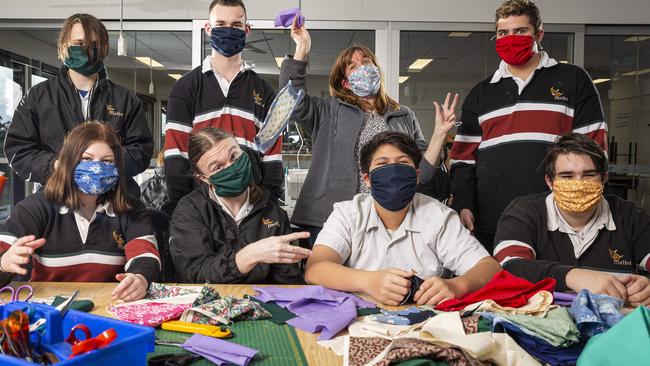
x,y
79,61
233,180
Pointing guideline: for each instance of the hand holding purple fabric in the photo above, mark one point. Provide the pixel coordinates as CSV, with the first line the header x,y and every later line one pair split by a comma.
x,y
285,18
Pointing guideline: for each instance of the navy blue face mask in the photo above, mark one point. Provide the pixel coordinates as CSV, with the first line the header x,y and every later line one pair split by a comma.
x,y
228,41
393,185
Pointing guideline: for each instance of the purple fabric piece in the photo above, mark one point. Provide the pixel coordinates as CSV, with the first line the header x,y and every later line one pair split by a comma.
x,y
563,299
219,351
318,309
285,18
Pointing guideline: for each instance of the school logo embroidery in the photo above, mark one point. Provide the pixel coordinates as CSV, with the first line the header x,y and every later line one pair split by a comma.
x,y
558,95
269,223
257,98
119,240
618,259
111,111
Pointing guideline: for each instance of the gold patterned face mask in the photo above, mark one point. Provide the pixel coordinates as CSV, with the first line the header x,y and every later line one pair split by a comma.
x,y
577,195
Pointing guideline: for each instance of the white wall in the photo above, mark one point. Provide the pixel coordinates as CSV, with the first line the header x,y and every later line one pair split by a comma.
x,y
553,11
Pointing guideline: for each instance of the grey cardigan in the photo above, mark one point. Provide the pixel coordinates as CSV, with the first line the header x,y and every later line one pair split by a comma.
x,y
334,126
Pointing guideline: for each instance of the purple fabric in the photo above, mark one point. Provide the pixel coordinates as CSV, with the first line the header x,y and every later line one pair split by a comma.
x,y
285,18
219,351
318,309
563,299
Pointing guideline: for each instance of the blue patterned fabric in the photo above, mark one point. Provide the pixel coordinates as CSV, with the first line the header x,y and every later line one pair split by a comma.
x,y
595,314
95,177
365,80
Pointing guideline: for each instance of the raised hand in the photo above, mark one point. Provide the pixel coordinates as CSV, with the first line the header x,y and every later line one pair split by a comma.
x,y
301,37
445,115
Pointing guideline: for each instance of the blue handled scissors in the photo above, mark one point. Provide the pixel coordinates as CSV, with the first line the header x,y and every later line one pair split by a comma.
x,y
15,293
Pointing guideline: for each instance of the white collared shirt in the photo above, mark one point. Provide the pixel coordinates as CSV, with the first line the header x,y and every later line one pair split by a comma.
x,y
224,83
243,211
583,239
82,224
503,72
84,104
430,239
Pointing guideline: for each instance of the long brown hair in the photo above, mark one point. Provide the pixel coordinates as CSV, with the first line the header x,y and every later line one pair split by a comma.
x,y
337,76
95,35
61,189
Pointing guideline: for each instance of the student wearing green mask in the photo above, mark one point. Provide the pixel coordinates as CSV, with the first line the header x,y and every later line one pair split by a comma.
x,y
228,229
81,92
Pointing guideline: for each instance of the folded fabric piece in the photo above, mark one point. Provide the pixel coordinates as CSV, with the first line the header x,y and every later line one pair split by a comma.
x,y
538,305
563,298
161,290
540,348
556,328
408,316
285,18
81,305
595,314
150,313
224,311
279,315
499,348
627,343
218,351
504,289
407,348
318,309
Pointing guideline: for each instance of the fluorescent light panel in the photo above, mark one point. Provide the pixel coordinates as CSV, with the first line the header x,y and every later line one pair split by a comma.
x,y
633,73
601,80
637,39
149,61
420,64
459,34
278,61
175,76
403,79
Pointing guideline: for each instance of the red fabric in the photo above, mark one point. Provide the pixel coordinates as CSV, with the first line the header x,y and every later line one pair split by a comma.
x,y
505,289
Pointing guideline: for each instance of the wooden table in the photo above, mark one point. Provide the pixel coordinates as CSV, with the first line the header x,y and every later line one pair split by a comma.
x,y
100,294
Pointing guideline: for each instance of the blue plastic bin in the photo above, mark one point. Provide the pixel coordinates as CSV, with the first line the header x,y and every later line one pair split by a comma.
x,y
131,346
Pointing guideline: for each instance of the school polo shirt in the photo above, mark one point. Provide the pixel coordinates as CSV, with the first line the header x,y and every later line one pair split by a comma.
x,y
430,239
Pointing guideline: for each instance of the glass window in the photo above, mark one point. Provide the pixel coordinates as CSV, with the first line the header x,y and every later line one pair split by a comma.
x,y
620,68
452,62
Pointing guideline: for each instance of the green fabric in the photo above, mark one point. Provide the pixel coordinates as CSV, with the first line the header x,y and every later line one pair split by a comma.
x,y
367,311
422,362
484,325
557,327
81,305
79,61
278,345
279,314
626,343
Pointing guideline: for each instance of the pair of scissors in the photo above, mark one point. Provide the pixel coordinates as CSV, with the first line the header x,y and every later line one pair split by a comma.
x,y
80,347
15,293
173,359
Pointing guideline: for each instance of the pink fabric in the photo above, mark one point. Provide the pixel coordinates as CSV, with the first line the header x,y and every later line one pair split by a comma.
x,y
151,314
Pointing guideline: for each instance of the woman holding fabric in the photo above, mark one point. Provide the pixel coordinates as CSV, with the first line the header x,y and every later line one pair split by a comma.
x,y
230,230
358,109
82,227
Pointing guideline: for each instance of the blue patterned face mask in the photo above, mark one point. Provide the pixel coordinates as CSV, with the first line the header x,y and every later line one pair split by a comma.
x,y
365,80
95,177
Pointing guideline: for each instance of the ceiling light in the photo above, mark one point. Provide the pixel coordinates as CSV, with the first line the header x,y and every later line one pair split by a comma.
x,y
459,34
636,39
564,62
278,61
420,64
640,72
175,76
602,80
403,79
149,61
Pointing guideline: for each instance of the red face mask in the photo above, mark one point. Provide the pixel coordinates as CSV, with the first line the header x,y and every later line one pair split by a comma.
x,y
515,50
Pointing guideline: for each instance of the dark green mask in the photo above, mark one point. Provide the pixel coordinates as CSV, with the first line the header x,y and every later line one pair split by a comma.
x,y
79,61
233,180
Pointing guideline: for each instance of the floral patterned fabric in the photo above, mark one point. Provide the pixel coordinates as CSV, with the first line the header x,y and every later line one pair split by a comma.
x,y
150,313
224,311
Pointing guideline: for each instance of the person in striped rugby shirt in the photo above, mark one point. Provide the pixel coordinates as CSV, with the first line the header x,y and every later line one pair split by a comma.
x,y
82,226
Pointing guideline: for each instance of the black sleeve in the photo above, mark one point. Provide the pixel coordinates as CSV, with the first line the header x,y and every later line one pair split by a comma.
x,y
588,117
272,170
23,143
311,112
516,246
636,223
286,274
463,153
141,247
197,257
138,143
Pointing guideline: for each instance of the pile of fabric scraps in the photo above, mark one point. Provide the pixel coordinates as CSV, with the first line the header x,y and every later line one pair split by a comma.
x,y
563,298
317,309
196,304
412,315
595,314
626,343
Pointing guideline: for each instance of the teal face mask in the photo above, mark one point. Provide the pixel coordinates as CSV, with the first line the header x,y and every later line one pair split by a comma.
x,y
233,180
79,61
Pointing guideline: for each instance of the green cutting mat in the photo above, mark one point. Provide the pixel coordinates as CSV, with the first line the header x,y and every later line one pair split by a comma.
x,y
278,345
